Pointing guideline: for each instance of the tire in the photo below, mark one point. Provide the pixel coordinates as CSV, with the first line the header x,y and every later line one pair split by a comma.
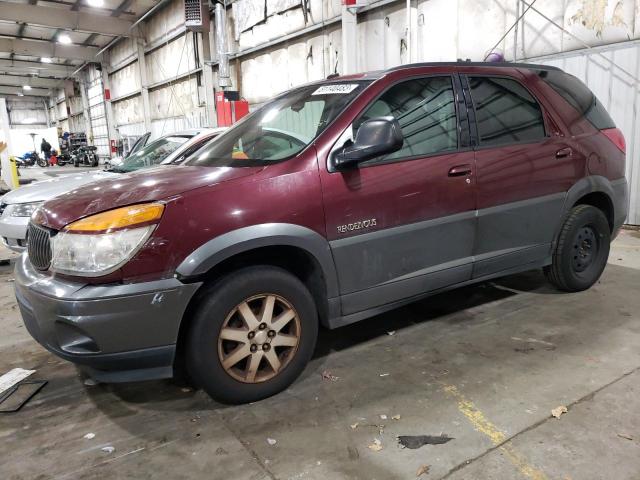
x,y
582,250
210,357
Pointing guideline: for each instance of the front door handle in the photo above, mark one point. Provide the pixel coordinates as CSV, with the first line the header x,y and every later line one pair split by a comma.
x,y
460,171
564,153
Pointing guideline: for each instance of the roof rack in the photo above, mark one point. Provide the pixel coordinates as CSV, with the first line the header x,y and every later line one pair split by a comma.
x,y
466,63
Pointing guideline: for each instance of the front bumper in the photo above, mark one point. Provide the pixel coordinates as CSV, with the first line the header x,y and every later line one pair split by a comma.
x,y
13,232
117,332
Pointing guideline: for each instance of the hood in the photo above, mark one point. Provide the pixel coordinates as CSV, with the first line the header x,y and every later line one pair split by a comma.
x,y
146,185
47,189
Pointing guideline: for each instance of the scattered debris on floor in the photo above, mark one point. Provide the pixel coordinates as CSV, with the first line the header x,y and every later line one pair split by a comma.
x,y
354,425
186,390
12,377
416,441
548,345
423,470
108,449
556,412
383,417
391,333
271,441
376,446
90,382
385,374
396,417
524,349
327,375
626,436
90,436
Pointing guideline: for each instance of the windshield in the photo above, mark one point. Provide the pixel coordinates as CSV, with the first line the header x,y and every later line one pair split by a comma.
x,y
281,129
152,154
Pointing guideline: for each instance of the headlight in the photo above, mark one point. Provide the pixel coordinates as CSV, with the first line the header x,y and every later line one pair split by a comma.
x,y
23,209
102,243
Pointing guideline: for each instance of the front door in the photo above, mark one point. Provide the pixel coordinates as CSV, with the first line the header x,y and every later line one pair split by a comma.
x,y
524,168
404,224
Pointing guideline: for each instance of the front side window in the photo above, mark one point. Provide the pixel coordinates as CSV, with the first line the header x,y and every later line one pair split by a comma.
x,y
152,154
505,111
280,129
425,110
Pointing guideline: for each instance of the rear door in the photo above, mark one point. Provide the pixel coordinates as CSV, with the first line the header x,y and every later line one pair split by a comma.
x,y
524,167
403,224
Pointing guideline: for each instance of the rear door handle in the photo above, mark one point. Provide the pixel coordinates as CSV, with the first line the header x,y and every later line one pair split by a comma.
x,y
460,171
564,153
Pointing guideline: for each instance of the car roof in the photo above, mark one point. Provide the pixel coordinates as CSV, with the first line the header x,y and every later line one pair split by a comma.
x,y
376,74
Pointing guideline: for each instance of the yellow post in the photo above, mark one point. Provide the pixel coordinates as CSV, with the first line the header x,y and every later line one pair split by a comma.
x,y
14,172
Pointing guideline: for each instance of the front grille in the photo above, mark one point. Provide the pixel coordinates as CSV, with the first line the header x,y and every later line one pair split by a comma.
x,y
39,247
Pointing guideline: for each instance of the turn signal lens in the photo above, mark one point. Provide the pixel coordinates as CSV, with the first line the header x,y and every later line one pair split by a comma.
x,y
119,218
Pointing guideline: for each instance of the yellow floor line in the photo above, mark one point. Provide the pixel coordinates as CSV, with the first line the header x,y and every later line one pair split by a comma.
x,y
482,425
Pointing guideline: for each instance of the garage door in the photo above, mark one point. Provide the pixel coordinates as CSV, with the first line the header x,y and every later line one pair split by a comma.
x,y
612,73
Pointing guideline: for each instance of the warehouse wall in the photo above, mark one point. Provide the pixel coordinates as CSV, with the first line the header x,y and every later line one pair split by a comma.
x,y
172,72
27,113
442,30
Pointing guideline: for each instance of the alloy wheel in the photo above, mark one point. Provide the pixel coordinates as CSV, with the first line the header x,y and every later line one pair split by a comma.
x,y
259,338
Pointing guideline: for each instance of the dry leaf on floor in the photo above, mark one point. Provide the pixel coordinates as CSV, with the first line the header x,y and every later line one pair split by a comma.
x,y
354,425
396,417
625,436
327,375
423,470
556,412
376,446
90,435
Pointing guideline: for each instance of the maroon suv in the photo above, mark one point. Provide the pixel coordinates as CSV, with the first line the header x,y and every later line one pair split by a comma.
x,y
334,202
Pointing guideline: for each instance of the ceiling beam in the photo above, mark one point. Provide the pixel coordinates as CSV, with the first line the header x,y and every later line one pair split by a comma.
x,y
45,48
20,80
121,8
28,68
34,92
65,19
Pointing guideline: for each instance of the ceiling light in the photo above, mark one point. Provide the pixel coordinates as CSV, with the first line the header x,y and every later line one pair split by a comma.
x,y
20,94
64,38
45,60
26,87
95,3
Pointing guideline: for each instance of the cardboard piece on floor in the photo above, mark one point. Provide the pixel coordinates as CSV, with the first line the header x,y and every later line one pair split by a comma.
x,y
12,377
18,395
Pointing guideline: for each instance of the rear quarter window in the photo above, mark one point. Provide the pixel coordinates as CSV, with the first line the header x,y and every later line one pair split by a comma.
x,y
578,95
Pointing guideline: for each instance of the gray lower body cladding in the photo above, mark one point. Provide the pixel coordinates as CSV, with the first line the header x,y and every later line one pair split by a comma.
x,y
119,332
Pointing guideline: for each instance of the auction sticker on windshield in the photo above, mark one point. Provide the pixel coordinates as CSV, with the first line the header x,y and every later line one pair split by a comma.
x,y
335,89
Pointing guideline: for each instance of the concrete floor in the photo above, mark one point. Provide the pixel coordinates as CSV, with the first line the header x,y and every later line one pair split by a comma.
x,y
484,364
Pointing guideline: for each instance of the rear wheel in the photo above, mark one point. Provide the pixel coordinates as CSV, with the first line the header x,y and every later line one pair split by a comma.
x,y
582,250
252,334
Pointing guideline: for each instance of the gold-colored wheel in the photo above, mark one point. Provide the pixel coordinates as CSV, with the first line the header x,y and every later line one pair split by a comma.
x,y
259,338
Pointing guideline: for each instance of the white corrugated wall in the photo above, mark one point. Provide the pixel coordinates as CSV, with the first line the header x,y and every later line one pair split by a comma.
x,y
612,73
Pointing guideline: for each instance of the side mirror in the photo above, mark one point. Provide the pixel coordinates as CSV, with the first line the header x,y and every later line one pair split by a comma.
x,y
375,137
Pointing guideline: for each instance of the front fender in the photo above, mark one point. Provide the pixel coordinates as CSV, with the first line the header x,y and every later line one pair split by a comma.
x,y
218,249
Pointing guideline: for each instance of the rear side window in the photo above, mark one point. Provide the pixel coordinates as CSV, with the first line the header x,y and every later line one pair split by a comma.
x,y
425,110
578,95
505,111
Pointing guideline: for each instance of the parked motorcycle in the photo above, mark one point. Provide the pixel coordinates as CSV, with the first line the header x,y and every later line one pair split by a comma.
x,y
30,159
86,156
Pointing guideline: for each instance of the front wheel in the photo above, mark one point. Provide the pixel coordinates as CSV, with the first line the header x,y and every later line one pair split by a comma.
x,y
582,250
252,334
